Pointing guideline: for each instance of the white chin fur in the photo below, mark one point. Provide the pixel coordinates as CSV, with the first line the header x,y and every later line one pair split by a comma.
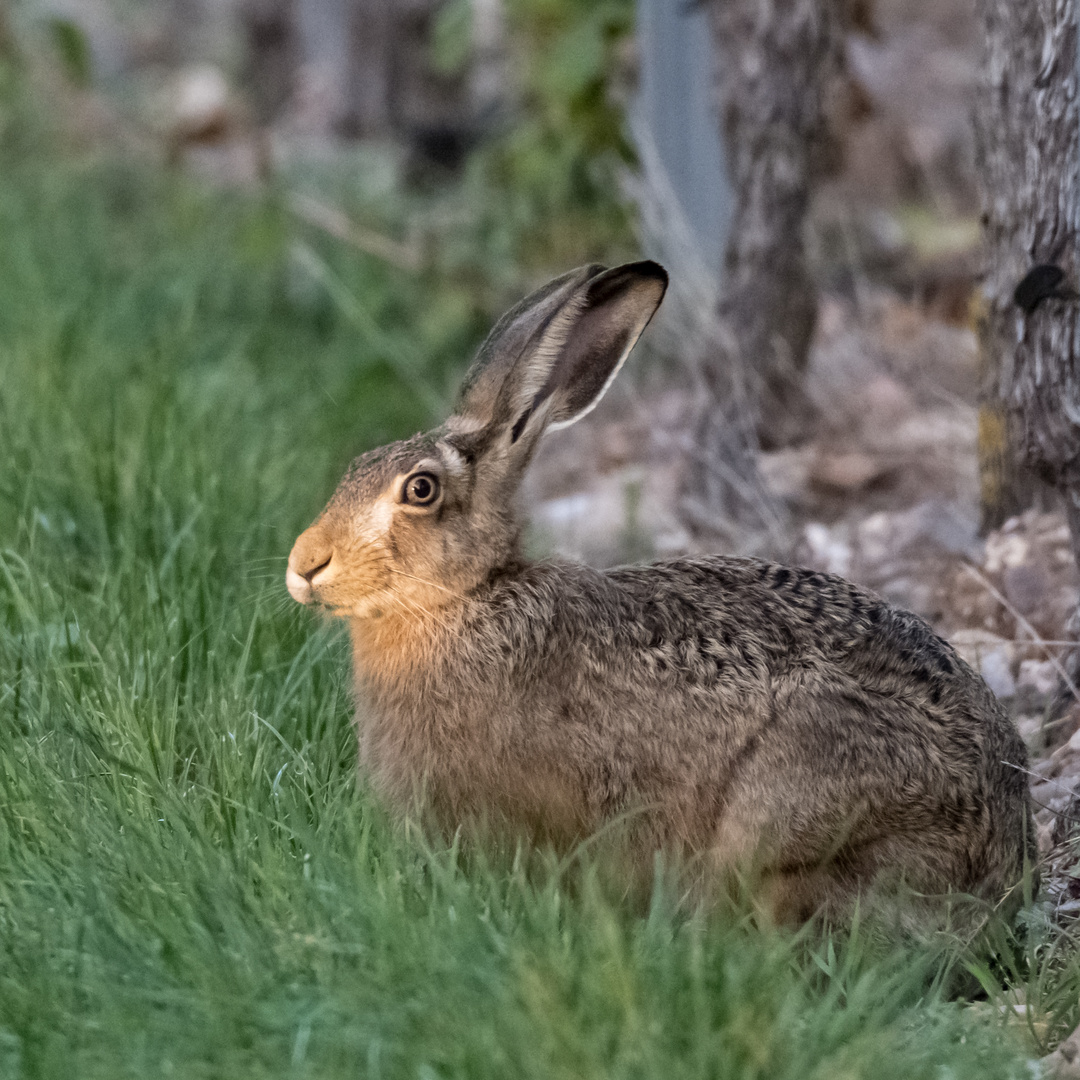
x,y
299,589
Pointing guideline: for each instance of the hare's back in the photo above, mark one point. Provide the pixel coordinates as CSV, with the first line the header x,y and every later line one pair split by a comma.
x,y
769,619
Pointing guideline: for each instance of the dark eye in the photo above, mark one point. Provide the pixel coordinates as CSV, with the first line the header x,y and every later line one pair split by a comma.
x,y
421,489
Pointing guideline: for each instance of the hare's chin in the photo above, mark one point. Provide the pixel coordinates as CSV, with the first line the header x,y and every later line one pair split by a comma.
x,y
367,607
299,588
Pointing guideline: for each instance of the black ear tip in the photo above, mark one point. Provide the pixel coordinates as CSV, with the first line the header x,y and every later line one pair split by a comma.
x,y
649,271
648,268
618,278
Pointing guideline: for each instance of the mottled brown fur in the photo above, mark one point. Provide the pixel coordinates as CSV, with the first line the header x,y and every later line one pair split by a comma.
x,y
734,711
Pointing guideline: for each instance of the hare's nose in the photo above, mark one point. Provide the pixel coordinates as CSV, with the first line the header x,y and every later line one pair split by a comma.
x,y
311,556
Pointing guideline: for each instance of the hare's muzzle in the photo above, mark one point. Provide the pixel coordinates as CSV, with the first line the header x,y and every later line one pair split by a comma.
x,y
310,564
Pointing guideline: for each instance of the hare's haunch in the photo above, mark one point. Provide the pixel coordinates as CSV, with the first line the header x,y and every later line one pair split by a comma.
x,y
733,709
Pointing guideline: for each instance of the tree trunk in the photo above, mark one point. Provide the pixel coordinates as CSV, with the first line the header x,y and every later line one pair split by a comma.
x,y
369,75
273,54
392,88
775,59
1028,123
774,62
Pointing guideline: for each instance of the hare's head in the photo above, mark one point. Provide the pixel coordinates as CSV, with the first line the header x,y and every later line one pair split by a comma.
x,y
421,520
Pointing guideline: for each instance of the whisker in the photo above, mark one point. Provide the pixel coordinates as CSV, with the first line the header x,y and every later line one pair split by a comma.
x,y
266,580
425,581
411,606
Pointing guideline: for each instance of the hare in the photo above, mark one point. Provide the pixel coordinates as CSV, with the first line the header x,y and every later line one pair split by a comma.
x,y
729,709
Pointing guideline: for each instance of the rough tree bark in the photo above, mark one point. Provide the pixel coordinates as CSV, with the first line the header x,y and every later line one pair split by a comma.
x,y
774,63
1028,123
1028,127
391,86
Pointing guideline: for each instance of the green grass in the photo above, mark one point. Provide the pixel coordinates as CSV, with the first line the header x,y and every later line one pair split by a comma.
x,y
193,880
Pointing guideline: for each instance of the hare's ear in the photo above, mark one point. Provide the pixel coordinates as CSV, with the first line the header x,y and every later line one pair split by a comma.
x,y
549,360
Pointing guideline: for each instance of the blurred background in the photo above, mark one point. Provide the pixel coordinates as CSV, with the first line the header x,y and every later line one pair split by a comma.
x,y
333,199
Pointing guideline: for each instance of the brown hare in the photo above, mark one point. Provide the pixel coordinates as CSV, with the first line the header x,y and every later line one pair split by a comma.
x,y
728,709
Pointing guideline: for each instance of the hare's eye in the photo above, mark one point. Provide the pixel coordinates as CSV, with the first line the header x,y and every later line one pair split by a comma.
x,y
421,489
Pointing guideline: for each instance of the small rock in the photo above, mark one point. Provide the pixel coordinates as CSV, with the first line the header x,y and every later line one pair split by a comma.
x,y
1030,726
1005,550
200,104
949,527
972,643
1025,586
875,536
1052,795
847,472
992,656
827,549
910,594
785,472
1044,836
1040,677
886,401
997,673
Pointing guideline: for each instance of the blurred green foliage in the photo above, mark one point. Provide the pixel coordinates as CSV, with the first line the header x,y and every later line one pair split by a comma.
x,y
72,48
548,182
